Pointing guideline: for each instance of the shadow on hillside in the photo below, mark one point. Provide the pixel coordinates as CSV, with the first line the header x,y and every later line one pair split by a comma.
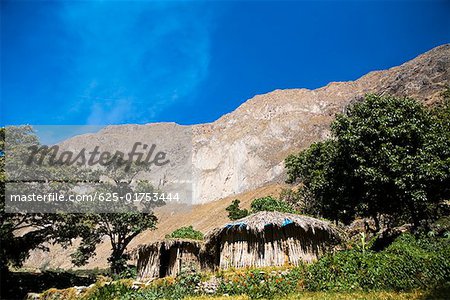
x,y
16,285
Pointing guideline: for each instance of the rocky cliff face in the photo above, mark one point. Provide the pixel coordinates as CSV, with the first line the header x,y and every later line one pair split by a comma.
x,y
246,148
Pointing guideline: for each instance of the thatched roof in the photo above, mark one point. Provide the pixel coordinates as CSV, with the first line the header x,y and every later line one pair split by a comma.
x,y
255,223
164,244
168,243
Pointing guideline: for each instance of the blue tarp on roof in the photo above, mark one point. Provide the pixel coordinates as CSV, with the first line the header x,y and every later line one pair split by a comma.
x,y
287,222
240,224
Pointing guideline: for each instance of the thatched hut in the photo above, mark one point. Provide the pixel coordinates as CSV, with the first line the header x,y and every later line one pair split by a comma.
x,y
270,239
167,258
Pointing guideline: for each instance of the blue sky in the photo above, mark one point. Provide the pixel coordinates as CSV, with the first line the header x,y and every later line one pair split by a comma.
x,y
115,62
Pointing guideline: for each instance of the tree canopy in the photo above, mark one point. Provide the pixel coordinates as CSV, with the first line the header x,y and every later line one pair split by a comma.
x,y
235,212
387,157
64,226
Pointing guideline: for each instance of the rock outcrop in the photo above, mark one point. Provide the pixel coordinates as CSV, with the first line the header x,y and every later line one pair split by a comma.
x,y
245,148
243,151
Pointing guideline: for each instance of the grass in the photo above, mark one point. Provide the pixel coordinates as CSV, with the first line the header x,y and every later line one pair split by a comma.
x,y
416,295
440,293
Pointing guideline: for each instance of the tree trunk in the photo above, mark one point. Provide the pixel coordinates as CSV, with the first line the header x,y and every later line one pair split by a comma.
x,y
117,260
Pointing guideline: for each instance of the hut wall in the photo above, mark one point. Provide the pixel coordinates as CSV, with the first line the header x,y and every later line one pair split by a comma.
x,y
164,259
148,263
183,256
272,247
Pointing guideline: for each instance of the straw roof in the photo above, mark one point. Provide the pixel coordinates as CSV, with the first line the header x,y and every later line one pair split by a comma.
x,y
255,223
168,243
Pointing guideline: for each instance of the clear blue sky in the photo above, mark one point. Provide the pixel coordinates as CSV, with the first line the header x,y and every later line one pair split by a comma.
x,y
114,62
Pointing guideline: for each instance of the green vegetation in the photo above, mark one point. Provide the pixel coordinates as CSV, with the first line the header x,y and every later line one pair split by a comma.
x,y
387,157
36,228
235,212
415,295
271,204
120,227
187,232
409,266
264,283
268,203
408,263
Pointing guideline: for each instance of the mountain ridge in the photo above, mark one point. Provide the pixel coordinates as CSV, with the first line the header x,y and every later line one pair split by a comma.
x,y
240,155
245,149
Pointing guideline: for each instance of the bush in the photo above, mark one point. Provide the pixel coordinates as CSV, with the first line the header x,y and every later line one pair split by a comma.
x,y
261,283
407,264
183,285
235,212
271,204
127,273
186,233
114,290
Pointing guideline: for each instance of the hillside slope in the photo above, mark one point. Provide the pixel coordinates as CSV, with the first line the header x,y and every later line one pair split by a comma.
x,y
242,152
203,217
245,148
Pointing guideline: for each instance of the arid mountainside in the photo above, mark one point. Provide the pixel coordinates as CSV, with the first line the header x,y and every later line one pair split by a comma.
x,y
241,154
245,148
203,217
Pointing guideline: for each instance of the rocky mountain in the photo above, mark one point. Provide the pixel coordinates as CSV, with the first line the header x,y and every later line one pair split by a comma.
x,y
241,154
245,149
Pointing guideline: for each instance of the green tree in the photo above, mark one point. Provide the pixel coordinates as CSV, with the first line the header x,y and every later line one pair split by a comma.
x,y
120,228
387,156
121,225
187,232
22,232
235,212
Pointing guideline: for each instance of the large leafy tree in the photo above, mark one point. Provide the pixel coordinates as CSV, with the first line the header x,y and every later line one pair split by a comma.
x,y
22,232
120,226
387,157
129,213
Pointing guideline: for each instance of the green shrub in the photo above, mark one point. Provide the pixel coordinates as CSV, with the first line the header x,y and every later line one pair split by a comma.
x,y
261,283
114,290
128,272
183,285
260,204
409,263
235,212
271,204
186,233
406,264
